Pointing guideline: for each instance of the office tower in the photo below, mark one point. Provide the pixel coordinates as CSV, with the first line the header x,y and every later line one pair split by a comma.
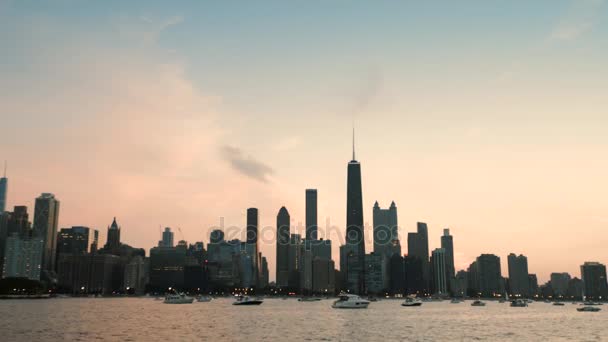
x,y
252,239
95,243
575,289
22,257
4,219
396,275
418,246
167,240
19,222
460,284
311,214
376,273
559,284
167,267
265,276
593,275
136,275
485,276
324,276
386,236
216,236
414,277
354,227
46,216
518,275
439,284
294,256
282,259
533,285
90,273
3,190
73,240
447,243
113,239
320,248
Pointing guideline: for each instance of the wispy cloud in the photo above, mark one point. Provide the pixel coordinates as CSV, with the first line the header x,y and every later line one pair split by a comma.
x,y
580,19
246,164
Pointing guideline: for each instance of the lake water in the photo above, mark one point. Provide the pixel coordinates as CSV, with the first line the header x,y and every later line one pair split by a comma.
x,y
145,319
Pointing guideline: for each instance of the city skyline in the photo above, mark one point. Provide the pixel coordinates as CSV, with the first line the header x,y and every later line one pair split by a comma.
x,y
166,117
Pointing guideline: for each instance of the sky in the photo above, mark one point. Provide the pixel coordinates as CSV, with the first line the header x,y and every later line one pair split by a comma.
x,y
487,117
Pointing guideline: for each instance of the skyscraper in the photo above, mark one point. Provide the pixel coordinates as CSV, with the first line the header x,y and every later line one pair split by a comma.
x,y
167,238
46,216
386,236
311,214
559,283
418,246
593,275
19,222
113,240
22,257
73,240
488,275
3,190
518,275
252,241
282,260
447,243
439,273
354,226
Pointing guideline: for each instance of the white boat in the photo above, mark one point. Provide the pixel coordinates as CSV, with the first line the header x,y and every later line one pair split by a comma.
x,y
412,301
477,302
245,300
309,299
178,298
588,309
519,303
350,301
204,299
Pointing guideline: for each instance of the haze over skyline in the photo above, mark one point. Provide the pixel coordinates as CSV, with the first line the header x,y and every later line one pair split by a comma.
x,y
485,118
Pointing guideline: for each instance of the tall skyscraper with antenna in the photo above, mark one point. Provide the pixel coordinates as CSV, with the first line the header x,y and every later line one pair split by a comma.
x,y
355,239
3,190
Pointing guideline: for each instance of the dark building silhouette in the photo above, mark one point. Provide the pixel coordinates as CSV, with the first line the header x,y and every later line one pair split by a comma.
x,y
3,191
418,246
447,243
311,214
168,237
386,236
397,275
18,222
216,236
485,276
253,221
355,272
414,277
46,217
112,245
518,275
593,275
95,243
167,265
73,240
438,272
282,256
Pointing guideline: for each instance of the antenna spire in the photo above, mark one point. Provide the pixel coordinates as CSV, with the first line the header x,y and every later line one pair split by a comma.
x,y
354,140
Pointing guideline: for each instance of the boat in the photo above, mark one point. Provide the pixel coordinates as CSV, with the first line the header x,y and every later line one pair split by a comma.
x,y
558,304
412,301
350,301
519,303
589,303
308,299
478,302
245,300
588,309
178,298
204,299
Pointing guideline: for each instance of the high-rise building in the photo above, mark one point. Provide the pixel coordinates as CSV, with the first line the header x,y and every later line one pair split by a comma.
x,y
593,275
4,220
533,283
282,257
418,246
396,275
376,273
518,275
438,274
447,243
311,214
485,276
414,278
113,239
136,274
559,284
386,236
73,240
46,217
323,280
264,276
460,284
216,236
19,222
294,261
355,272
3,190
167,238
95,243
22,257
167,267
253,222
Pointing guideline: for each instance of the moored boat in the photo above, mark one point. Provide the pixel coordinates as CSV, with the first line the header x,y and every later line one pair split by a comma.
x,y
412,301
478,302
178,298
350,301
246,300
